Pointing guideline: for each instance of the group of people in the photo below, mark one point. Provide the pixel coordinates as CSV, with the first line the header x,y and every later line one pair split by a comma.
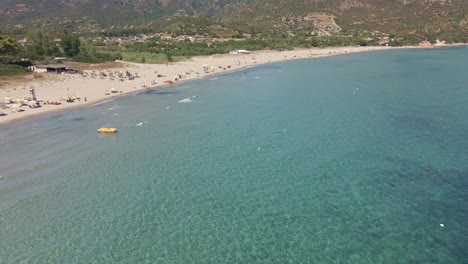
x,y
112,75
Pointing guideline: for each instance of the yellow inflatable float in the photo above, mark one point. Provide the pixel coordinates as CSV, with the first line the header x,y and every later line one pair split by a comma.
x,y
107,130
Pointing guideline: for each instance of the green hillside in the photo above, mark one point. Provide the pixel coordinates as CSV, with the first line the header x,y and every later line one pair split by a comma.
x,y
418,19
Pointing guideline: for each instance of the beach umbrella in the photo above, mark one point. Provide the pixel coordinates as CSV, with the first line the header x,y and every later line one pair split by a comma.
x,y
71,96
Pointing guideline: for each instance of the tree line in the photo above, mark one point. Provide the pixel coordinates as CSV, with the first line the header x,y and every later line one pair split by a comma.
x,y
39,46
43,45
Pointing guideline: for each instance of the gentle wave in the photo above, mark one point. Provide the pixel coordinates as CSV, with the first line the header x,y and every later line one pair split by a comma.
x,y
186,100
103,102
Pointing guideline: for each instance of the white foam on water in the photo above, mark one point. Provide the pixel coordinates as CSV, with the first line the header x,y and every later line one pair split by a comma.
x,y
141,123
212,79
168,107
113,108
103,102
194,96
116,114
186,100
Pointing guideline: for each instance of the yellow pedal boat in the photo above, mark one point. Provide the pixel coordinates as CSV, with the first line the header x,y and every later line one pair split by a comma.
x,y
107,130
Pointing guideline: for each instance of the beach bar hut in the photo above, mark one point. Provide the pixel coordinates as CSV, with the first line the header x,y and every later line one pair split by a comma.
x,y
56,68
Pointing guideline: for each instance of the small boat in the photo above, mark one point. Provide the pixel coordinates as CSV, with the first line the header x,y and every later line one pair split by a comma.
x,y
107,130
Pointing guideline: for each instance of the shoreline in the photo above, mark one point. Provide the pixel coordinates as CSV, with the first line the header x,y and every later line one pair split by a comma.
x,y
94,89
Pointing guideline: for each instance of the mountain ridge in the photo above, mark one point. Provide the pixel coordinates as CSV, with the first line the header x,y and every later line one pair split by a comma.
x,y
437,18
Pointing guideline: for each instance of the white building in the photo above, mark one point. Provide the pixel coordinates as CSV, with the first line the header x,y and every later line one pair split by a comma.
x,y
239,52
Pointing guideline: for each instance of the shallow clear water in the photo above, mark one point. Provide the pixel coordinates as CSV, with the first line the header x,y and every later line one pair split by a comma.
x,y
348,159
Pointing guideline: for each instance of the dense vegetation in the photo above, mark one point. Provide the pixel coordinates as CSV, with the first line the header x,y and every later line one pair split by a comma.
x,y
8,49
12,69
411,19
44,45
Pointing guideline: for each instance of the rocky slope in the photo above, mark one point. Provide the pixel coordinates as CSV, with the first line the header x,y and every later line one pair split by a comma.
x,y
438,17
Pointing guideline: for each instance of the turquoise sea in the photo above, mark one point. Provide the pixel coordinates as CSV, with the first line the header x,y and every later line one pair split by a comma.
x,y
349,159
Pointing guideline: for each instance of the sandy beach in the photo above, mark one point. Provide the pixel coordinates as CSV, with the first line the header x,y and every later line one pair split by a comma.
x,y
98,85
